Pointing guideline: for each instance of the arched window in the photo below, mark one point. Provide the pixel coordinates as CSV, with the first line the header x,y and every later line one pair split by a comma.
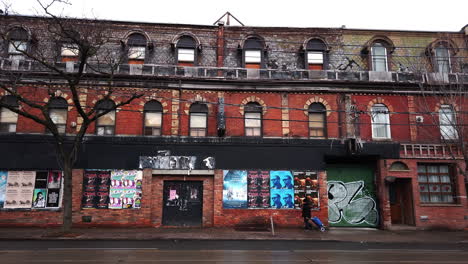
x,y
153,118
58,109
69,49
447,122
105,125
441,59
380,119
18,43
315,55
252,53
398,166
317,121
198,120
136,48
253,119
379,59
186,51
8,118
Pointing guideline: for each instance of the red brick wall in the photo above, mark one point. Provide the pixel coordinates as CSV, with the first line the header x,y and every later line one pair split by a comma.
x,y
449,216
301,129
284,217
399,121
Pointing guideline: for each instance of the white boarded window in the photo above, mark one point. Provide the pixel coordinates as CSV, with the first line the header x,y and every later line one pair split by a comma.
x,y
17,46
69,50
380,119
8,120
106,123
447,122
153,121
186,55
59,117
136,53
315,57
379,57
253,56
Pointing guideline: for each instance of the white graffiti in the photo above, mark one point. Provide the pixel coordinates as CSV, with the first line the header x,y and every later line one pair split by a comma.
x,y
343,204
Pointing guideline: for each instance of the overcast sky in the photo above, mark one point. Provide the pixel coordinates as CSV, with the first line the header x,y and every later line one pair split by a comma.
x,y
431,15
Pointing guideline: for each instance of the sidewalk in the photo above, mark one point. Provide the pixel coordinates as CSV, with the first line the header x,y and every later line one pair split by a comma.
x,y
335,234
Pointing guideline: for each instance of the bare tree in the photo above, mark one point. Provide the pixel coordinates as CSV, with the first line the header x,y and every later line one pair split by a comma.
x,y
91,49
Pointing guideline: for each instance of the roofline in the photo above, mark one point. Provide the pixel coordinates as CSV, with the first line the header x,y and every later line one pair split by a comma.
x,y
253,27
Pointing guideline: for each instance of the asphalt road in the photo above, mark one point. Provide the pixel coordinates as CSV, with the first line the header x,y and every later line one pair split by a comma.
x,y
195,251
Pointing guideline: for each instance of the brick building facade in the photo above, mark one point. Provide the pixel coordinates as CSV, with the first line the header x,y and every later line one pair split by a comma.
x,y
345,106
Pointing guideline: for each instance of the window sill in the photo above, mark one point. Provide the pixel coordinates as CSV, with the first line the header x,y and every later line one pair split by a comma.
x,y
441,205
382,139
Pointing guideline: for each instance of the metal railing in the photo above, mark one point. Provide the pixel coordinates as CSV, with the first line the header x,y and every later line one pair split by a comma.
x,y
159,70
429,151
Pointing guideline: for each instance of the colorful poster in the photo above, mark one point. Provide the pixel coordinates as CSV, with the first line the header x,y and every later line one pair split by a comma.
x,y
282,190
234,189
282,199
125,189
39,198
54,180
90,183
258,184
3,184
281,180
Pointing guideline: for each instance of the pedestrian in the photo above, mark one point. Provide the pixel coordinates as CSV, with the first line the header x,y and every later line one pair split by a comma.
x,y
306,206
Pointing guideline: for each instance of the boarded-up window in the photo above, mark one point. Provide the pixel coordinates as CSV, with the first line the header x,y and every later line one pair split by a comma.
x,y
253,56
8,118
186,55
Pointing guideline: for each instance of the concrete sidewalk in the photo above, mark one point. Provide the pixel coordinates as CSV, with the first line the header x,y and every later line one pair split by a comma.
x,y
335,234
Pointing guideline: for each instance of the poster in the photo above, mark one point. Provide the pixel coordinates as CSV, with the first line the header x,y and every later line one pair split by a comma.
x,y
53,196
54,179
3,184
234,189
281,180
258,184
39,198
102,189
306,185
125,189
282,190
90,183
282,199
19,190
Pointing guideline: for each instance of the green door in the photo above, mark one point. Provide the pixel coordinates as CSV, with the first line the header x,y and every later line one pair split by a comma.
x,y
351,196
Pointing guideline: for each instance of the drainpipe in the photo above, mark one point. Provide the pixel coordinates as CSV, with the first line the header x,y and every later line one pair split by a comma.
x,y
220,47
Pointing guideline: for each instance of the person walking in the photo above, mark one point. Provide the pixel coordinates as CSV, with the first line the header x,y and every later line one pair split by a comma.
x,y
306,206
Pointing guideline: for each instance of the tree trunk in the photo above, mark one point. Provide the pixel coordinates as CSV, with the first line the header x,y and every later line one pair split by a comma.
x,y
67,196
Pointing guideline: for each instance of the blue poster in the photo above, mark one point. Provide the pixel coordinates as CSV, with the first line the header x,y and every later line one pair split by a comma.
x,y
3,183
281,180
234,189
282,199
